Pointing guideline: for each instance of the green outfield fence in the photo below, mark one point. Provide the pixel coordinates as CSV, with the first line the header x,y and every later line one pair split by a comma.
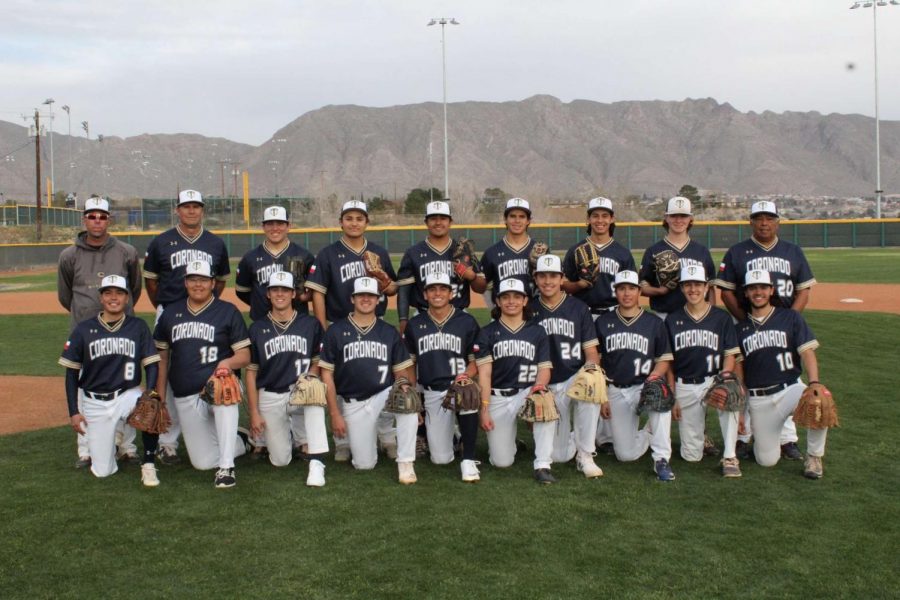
x,y
871,233
24,214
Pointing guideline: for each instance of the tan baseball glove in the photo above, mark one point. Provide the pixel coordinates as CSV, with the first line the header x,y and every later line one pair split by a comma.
x,y
309,390
404,398
540,406
587,262
589,385
816,408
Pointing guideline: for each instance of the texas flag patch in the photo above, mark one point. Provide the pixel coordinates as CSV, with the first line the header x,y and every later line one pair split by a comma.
x,y
721,267
312,269
476,348
68,343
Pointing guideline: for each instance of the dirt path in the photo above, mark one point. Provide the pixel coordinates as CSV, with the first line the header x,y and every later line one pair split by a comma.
x,y
29,403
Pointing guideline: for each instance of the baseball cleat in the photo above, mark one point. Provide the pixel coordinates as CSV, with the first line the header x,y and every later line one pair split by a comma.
x,y
148,475
744,450
128,458
259,453
469,469
421,446
244,434
521,446
316,477
790,451
812,467
544,476
83,462
167,456
607,448
731,467
390,450
225,478
300,452
663,470
342,454
709,447
585,463
407,473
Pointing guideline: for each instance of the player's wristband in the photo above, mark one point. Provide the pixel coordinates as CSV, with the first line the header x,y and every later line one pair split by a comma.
x,y
812,382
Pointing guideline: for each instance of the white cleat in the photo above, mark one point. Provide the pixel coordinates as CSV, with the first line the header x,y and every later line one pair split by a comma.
x,y
407,473
148,475
316,477
469,470
585,463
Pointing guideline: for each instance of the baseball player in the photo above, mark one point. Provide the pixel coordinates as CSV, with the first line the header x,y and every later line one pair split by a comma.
x,y
509,258
284,345
573,341
513,357
251,280
441,342
360,356
103,358
82,266
167,256
703,343
791,275
677,222
776,347
635,347
200,335
599,297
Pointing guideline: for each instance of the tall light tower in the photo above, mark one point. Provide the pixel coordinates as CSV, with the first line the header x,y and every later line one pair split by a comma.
x,y
874,6
49,102
69,141
443,22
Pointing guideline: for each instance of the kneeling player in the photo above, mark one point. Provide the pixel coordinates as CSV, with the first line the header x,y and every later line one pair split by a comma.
x,y
103,357
441,341
513,357
196,337
573,341
284,346
635,347
704,344
361,355
776,346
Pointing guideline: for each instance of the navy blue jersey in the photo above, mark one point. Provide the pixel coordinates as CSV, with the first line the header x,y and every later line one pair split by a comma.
x,y
281,352
700,345
363,359
441,351
691,255
422,260
570,328
630,347
110,358
257,266
614,257
336,267
771,347
515,356
502,261
198,340
170,252
785,262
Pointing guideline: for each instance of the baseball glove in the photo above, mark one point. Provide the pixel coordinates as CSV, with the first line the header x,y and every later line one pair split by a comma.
x,y
150,414
464,395
668,269
539,407
308,391
538,250
587,262
726,393
656,395
223,388
589,385
297,267
375,270
404,398
464,256
816,408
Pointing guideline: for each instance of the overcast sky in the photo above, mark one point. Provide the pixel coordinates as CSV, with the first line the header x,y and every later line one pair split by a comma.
x,y
242,70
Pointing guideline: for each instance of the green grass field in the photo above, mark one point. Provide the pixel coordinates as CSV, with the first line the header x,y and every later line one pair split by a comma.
x,y
770,534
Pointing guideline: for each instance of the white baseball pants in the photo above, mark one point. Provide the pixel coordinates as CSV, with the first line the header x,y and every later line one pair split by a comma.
x,y
577,425
440,425
504,411
367,421
128,434
102,419
278,414
692,425
768,415
210,432
630,442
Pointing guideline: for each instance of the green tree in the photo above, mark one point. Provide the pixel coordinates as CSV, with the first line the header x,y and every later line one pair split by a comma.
x,y
417,199
690,192
495,194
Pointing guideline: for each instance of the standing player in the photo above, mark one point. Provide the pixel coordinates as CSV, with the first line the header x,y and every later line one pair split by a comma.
x,y
361,355
573,341
253,273
791,275
103,359
597,293
704,344
285,345
509,258
201,335
82,266
513,358
441,342
677,223
168,254
777,346
635,348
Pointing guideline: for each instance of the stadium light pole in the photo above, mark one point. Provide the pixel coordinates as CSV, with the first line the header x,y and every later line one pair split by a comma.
x,y
443,22
873,4
49,102
69,141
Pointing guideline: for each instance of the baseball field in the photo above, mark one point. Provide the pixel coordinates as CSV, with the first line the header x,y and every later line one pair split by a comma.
x,y
771,533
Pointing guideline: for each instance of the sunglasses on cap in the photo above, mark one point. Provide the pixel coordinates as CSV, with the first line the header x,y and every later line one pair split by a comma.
x,y
96,217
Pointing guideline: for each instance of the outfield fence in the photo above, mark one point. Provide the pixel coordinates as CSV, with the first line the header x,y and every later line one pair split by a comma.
x,y
719,235
24,214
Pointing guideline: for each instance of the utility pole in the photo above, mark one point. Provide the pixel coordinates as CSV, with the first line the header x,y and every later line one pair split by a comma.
x,y
37,169
223,164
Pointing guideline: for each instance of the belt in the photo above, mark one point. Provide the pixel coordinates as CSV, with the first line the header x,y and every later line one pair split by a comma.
x,y
504,392
106,397
279,390
429,388
691,380
768,391
349,400
627,385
